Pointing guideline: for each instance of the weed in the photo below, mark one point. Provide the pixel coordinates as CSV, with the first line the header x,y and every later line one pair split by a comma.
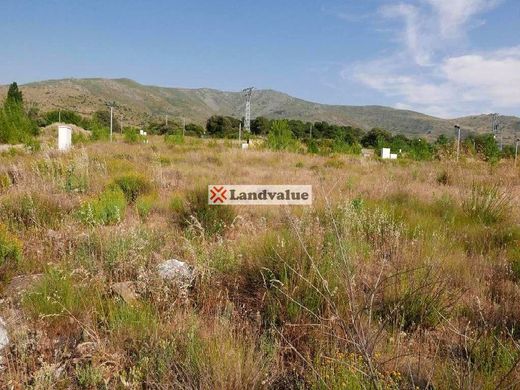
x,y
88,376
57,296
106,209
23,211
212,219
10,248
487,203
144,205
132,186
444,178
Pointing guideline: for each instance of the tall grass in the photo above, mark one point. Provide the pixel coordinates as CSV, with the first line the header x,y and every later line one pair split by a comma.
x,y
488,203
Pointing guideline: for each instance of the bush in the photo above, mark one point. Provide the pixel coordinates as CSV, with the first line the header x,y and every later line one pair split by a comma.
x,y
212,219
194,130
144,205
108,208
132,186
487,204
66,116
10,248
132,136
174,139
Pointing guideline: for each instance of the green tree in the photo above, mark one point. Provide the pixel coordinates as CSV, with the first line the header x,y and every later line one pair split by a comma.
x,y
194,130
280,137
376,138
14,95
223,126
260,125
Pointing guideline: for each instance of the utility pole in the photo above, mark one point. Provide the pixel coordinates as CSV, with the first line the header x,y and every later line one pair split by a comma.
x,y
495,127
111,105
458,141
59,116
247,122
239,133
516,151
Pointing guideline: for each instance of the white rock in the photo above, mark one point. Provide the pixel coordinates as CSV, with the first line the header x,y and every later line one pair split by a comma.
x,y
4,339
177,271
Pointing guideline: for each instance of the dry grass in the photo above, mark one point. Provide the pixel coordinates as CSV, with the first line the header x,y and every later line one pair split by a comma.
x,y
401,275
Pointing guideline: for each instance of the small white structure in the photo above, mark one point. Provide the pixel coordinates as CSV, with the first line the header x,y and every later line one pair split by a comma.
x,y
64,137
393,156
245,146
385,153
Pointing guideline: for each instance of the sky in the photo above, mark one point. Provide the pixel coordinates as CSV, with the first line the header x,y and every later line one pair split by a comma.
x,y
445,58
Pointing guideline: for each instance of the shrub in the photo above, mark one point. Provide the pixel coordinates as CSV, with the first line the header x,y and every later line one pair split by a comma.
x,y
144,205
132,136
443,178
108,208
5,181
487,203
132,186
212,219
30,210
415,299
174,139
10,248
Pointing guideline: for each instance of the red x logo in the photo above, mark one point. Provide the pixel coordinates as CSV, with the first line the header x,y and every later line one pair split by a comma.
x,y
218,194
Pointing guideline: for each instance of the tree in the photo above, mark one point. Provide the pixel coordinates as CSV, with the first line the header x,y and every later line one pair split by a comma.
x,y
102,119
223,126
280,137
14,95
486,145
376,138
194,130
260,125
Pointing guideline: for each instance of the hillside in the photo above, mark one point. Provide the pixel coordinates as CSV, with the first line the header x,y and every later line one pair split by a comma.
x,y
138,102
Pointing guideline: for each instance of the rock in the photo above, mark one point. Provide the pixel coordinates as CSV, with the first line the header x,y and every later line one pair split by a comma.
x,y
126,290
4,339
21,283
177,271
86,349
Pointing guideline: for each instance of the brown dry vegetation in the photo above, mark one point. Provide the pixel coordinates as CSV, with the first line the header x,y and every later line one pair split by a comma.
x,y
402,275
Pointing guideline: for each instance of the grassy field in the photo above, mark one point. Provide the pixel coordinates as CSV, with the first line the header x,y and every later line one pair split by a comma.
x,y
402,275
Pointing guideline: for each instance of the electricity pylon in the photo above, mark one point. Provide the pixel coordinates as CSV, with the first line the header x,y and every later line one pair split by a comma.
x,y
247,122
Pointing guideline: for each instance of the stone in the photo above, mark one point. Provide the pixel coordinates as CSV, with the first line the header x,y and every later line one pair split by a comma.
x,y
176,271
4,338
86,349
126,290
21,283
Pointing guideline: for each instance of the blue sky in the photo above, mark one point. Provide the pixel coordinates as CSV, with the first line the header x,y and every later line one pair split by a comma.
x,y
443,57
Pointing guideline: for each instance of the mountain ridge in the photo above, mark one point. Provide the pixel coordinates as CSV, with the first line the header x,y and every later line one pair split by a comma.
x,y
138,103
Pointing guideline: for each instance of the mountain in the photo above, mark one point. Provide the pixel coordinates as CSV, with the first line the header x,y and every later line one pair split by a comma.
x,y
137,103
